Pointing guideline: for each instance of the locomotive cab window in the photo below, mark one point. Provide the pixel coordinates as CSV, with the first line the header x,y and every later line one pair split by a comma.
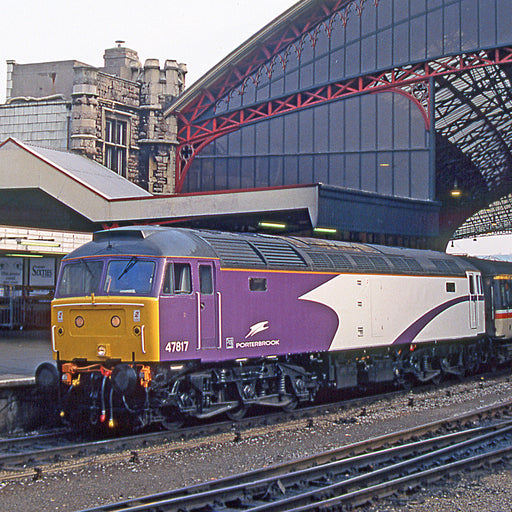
x,y
257,284
472,287
205,279
132,276
177,279
81,278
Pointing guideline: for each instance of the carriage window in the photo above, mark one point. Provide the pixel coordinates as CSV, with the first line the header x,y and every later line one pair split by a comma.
x,y
177,279
205,279
504,297
257,284
450,287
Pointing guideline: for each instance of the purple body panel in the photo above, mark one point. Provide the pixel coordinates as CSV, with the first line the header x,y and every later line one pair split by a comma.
x,y
249,323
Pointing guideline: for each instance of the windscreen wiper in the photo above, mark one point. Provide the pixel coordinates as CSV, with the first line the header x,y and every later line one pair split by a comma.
x,y
128,267
87,266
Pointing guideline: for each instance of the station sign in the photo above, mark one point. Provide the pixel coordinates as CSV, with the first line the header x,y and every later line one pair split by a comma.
x,y
11,271
42,272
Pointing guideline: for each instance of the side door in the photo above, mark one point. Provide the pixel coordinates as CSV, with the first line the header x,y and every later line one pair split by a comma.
x,y
207,307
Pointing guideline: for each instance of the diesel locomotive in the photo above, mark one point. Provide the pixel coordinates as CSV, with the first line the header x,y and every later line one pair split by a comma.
x,y
154,325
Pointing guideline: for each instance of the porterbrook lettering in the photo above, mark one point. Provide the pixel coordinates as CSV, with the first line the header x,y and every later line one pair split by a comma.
x,y
253,344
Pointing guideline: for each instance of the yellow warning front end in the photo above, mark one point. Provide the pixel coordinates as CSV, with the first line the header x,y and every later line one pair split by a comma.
x,y
100,329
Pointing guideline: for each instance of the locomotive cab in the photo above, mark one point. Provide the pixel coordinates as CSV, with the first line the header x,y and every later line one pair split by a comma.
x,y
105,309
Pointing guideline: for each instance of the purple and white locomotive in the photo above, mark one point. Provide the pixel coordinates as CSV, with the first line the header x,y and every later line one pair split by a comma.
x,y
151,324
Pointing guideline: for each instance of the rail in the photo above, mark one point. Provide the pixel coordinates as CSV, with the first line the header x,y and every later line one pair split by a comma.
x,y
344,476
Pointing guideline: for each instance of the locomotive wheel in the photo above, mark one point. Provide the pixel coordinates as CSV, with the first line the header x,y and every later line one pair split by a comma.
x,y
437,379
238,412
291,406
172,418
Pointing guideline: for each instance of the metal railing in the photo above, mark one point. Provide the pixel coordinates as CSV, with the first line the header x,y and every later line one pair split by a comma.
x,y
24,312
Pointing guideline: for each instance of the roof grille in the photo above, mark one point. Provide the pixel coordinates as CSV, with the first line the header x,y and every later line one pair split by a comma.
x,y
340,261
406,264
364,262
236,253
320,260
278,254
446,266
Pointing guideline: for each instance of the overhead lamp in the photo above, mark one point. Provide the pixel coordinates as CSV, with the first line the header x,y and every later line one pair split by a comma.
x,y
24,255
329,231
272,225
384,165
455,191
39,243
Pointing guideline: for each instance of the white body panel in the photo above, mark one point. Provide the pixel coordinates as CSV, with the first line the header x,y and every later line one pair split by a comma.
x,y
379,310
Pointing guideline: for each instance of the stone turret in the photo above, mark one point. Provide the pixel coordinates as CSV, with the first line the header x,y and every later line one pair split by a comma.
x,y
121,62
84,110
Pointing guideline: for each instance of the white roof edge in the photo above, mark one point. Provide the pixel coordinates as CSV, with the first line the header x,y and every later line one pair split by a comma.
x,y
33,150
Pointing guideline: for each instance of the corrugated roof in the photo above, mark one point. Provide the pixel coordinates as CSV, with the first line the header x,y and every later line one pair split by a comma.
x,y
92,174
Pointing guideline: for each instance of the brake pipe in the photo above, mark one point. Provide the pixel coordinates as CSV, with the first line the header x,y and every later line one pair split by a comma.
x,y
111,404
103,410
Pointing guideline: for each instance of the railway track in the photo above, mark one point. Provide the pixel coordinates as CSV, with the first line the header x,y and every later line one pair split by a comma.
x,y
352,475
34,455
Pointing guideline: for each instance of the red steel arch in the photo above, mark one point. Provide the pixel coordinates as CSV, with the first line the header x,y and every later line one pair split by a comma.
x,y
195,133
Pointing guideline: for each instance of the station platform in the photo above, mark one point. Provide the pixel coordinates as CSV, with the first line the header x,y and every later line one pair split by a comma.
x,y
21,352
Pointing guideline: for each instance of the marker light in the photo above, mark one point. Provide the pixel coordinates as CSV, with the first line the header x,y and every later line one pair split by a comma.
x,y
102,351
115,321
79,321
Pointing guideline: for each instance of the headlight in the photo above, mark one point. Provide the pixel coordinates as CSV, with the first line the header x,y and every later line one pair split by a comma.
x,y
79,321
102,351
115,321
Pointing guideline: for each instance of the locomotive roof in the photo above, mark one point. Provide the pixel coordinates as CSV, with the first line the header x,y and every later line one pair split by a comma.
x,y
260,251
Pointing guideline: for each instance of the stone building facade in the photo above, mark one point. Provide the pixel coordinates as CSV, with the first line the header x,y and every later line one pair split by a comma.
x,y
112,114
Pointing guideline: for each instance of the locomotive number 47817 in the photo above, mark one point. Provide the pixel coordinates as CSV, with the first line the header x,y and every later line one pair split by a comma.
x,y
177,346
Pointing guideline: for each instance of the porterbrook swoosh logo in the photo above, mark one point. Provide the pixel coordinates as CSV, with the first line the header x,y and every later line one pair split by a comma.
x,y
256,328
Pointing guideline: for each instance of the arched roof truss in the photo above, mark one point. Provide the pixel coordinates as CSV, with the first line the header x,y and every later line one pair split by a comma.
x,y
464,95
473,112
495,218
414,80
